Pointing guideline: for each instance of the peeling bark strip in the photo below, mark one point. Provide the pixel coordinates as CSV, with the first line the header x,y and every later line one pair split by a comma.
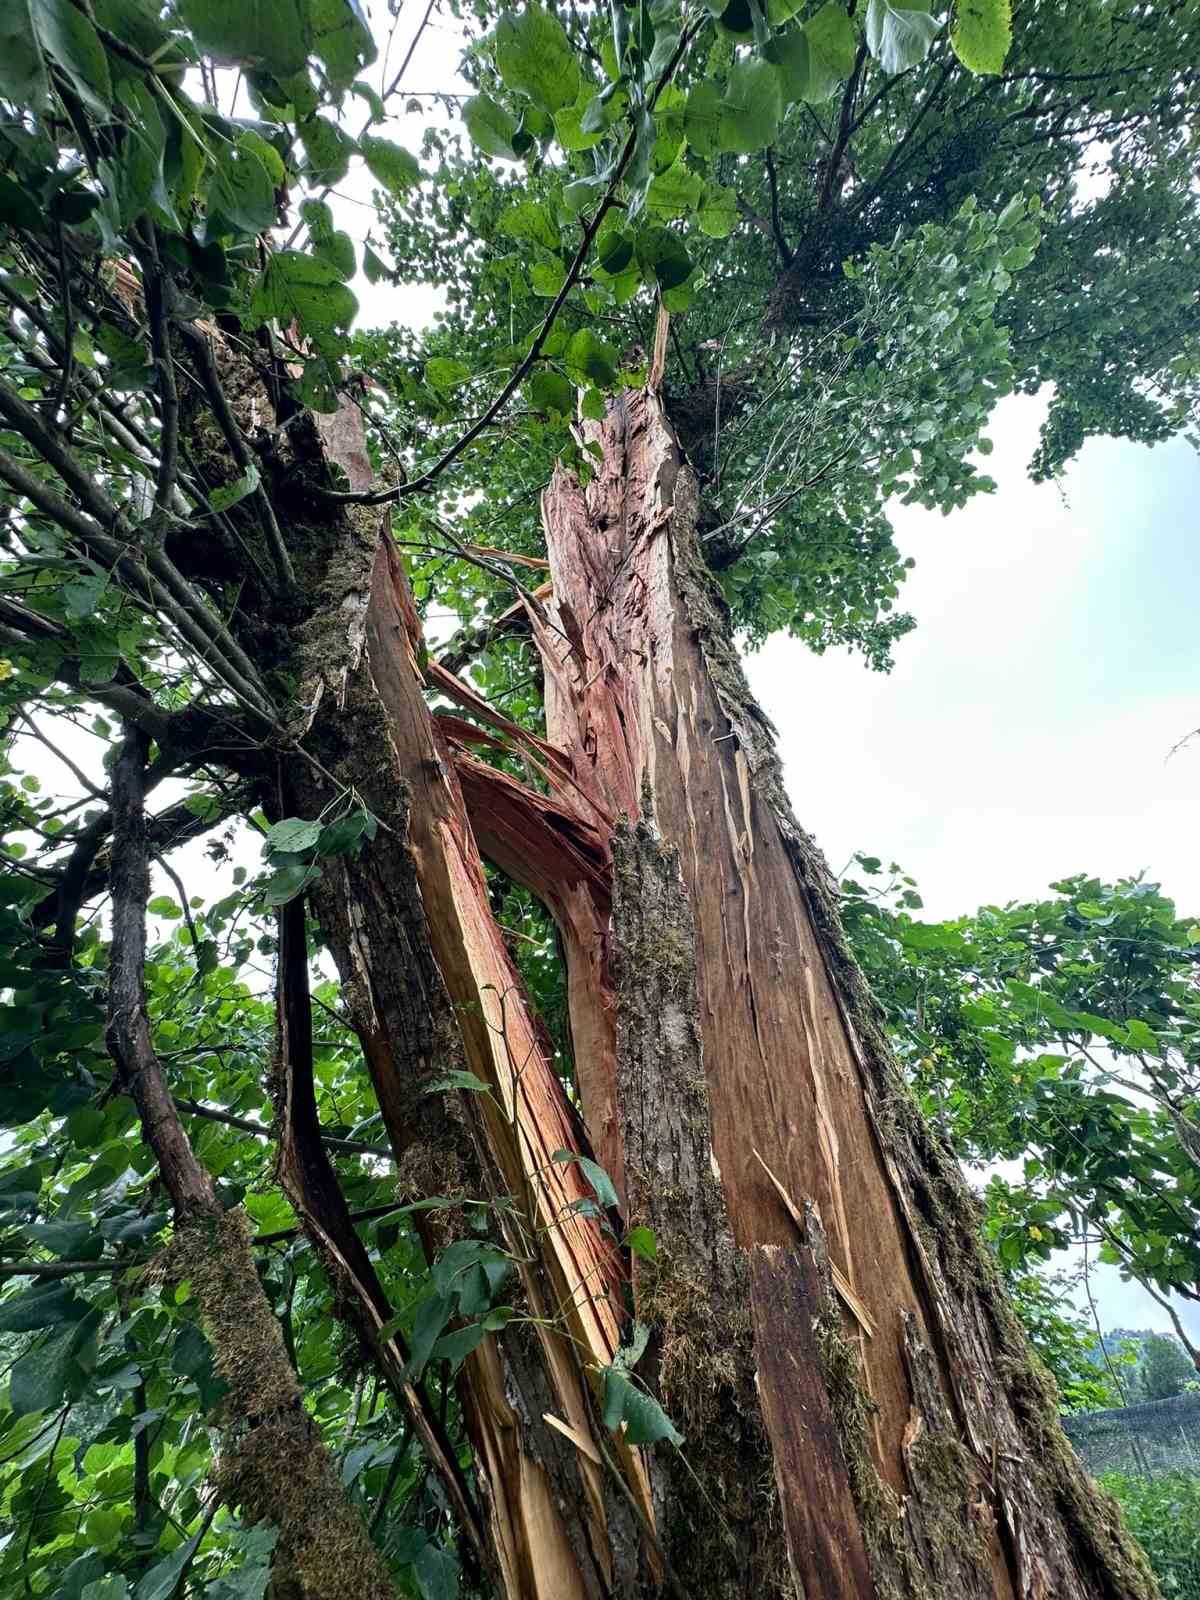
x,y
648,700
272,1461
431,990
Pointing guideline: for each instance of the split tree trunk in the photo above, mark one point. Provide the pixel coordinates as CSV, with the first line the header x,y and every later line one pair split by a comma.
x,y
862,1416
862,1413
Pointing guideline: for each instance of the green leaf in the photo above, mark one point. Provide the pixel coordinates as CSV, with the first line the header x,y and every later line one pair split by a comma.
x,y
299,288
41,1307
642,1242
674,193
84,1570
342,39
228,494
752,107
437,1573
789,54
534,56
900,37
662,255
457,1346
82,595
443,373
112,1587
645,1420
595,1174
831,50
328,148
73,1241
241,187
51,1372
590,360
70,39
390,164
341,837
982,33
702,118
287,882
160,1581
274,35
490,126
614,250
718,211
549,391
23,77
433,1313
292,836
547,278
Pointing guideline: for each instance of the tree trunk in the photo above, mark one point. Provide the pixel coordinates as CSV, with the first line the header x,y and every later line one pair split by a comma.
x,y
863,1417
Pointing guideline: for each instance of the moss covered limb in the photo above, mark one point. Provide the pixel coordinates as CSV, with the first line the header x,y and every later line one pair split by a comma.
x,y
272,1462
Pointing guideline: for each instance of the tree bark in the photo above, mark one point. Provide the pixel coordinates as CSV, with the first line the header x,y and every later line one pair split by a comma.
x,y
863,1416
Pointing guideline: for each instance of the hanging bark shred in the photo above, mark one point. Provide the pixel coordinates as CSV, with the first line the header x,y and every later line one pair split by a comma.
x,y
271,1461
309,1181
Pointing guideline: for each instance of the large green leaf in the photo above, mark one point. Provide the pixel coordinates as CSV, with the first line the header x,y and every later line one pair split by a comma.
x,y
275,35
241,187
342,39
590,359
645,1420
42,1307
831,49
54,1369
161,1580
982,34
390,164
550,391
328,148
491,126
70,39
751,108
23,77
302,289
534,56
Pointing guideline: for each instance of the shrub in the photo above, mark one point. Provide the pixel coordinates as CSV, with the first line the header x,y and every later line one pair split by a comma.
x,y
1164,1516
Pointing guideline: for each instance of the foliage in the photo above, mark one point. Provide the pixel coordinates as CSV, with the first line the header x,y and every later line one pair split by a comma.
x,y
1164,1516
777,352
1087,1378
1063,1033
1165,1370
